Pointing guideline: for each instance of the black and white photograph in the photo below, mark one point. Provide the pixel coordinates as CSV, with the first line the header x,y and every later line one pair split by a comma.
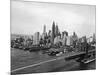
x,y
52,37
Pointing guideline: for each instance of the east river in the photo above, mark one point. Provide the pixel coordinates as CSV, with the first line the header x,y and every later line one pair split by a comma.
x,y
22,62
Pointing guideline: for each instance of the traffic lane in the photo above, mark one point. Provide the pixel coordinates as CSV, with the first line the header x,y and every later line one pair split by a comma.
x,y
47,67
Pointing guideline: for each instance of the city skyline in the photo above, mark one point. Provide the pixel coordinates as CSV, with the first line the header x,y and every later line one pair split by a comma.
x,y
70,18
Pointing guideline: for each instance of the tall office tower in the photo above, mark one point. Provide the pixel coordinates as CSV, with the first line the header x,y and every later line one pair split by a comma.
x,y
56,30
74,36
64,37
94,38
44,32
36,38
64,33
49,33
53,32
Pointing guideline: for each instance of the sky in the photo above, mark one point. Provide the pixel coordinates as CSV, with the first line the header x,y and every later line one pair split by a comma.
x,y
30,17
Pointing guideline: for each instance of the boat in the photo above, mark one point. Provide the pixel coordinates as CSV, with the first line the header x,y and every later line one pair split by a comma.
x,y
37,48
88,60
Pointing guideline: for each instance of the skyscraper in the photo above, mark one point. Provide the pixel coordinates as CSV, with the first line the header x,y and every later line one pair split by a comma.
x,y
74,36
36,38
44,32
64,37
94,39
53,32
56,30
49,33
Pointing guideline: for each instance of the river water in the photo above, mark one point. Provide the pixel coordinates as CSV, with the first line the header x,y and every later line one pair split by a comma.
x,y
20,58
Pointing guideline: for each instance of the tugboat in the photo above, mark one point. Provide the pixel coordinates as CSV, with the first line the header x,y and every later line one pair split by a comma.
x,y
89,58
86,61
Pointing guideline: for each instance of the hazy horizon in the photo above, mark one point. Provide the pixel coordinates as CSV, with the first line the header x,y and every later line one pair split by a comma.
x,y
30,17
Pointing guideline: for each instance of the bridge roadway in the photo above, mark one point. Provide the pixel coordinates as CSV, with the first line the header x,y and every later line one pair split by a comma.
x,y
69,55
